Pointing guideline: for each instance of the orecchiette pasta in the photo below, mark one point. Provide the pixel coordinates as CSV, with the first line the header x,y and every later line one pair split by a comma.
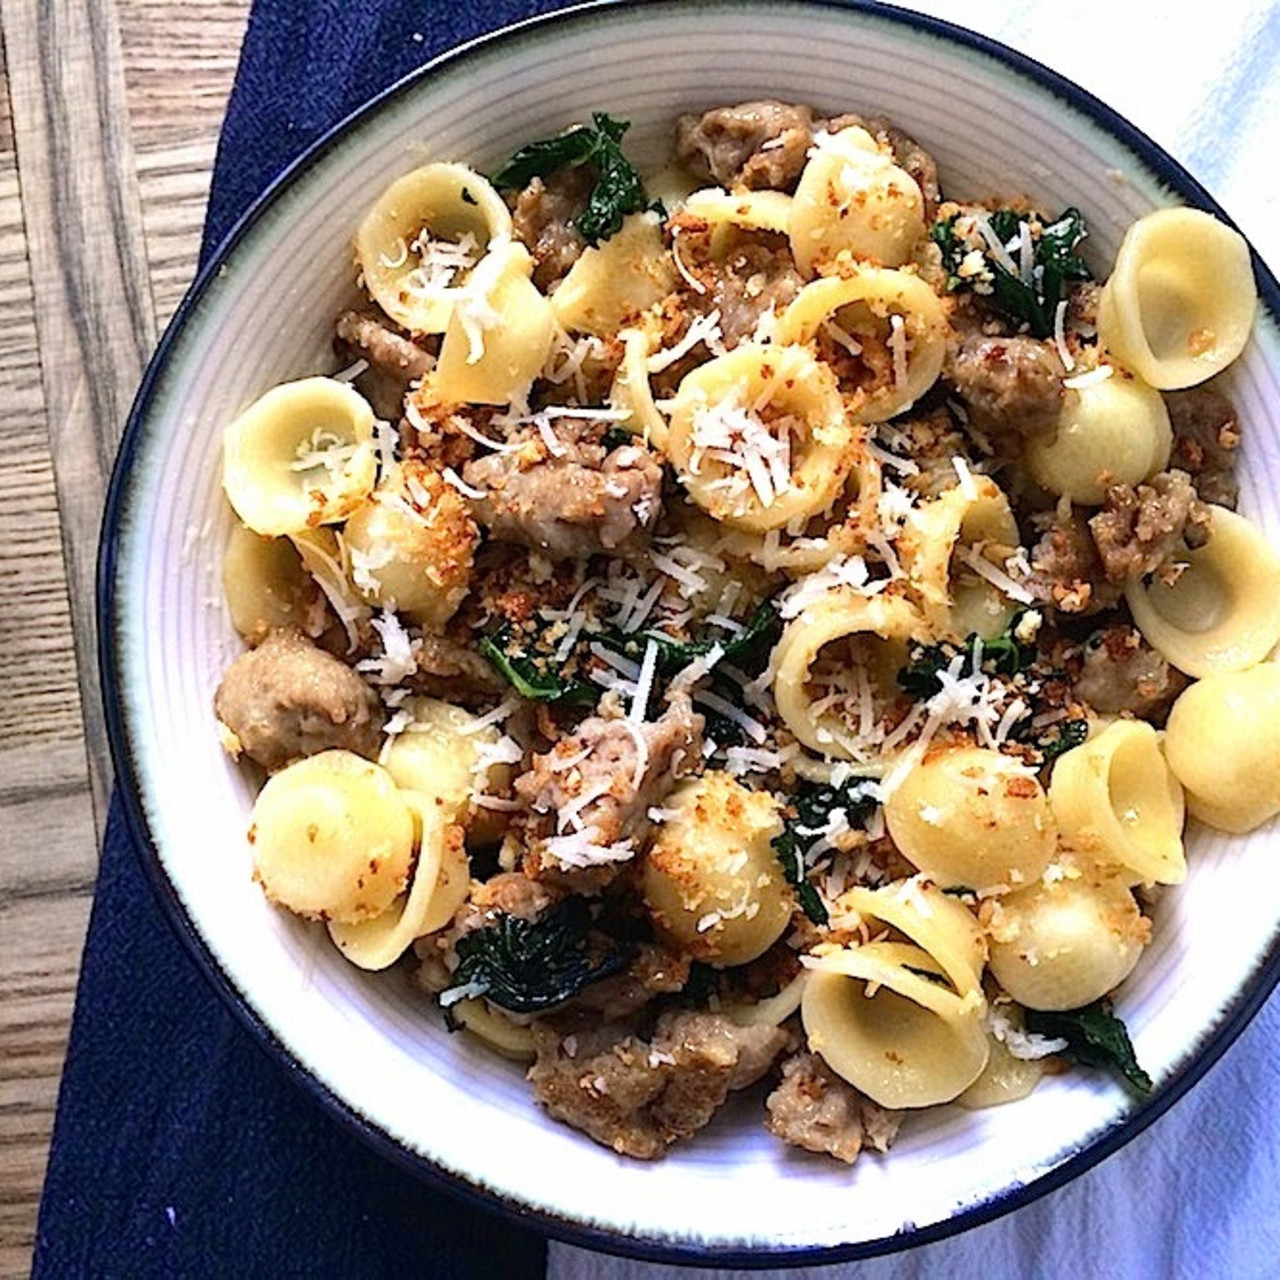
x,y
1115,431
711,880
332,838
852,197
1180,300
1220,613
891,314
1063,944
1115,799
265,583
1222,743
299,456
758,437
419,244
974,818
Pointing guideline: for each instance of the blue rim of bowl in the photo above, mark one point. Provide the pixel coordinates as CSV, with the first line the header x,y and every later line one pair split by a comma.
x,y
1215,1040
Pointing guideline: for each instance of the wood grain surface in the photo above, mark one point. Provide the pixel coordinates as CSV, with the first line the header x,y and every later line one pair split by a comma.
x,y
109,117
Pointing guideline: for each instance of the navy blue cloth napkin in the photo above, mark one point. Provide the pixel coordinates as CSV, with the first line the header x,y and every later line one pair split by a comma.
x,y
180,1148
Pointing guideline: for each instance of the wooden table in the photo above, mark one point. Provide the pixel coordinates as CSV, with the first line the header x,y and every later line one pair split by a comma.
x,y
109,117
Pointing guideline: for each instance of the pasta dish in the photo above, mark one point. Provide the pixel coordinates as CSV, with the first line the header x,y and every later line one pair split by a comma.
x,y
760,626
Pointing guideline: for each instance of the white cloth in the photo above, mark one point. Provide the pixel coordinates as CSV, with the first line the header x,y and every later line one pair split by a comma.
x,y
1197,1194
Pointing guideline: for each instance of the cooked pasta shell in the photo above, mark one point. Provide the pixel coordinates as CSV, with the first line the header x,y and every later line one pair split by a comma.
x,y
903,1038
615,281
711,879
748,210
1115,431
1115,799
1222,742
951,548
265,584
853,198
419,244
499,1032
893,315
633,393
836,667
1065,944
1180,300
974,818
500,331
301,455
1005,1078
759,437
441,876
1223,611
332,838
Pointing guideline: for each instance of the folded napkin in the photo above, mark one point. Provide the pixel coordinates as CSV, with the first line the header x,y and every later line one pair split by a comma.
x,y
181,1149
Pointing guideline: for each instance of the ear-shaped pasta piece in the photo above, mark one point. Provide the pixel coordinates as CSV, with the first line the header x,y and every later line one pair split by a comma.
x,y
332,838
836,665
300,456
411,545
441,878
759,438
895,320
1223,611
323,558
946,930
773,1010
1066,944
1111,432
420,242
1115,799
852,197
1180,300
973,818
439,754
748,210
711,879
265,584
1004,1079
499,334
902,1038
951,548
617,280
839,531
633,392
1222,742
495,1029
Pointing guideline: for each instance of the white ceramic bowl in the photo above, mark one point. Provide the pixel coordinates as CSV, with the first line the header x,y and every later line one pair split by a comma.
x,y
375,1051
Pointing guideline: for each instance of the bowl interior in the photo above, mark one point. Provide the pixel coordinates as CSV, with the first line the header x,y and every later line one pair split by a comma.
x,y
377,1049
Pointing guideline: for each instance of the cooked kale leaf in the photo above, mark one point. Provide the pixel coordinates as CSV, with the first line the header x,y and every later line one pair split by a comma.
x,y
814,803
1095,1038
1055,264
527,678
618,189
1070,733
744,650
1003,655
526,966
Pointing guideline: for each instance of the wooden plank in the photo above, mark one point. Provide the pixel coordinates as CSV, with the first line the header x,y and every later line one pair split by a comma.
x,y
93,306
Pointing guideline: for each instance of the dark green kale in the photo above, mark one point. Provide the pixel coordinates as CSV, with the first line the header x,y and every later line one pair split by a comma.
x,y
814,803
618,189
745,650
527,966
1003,655
1070,733
1095,1038
527,677
1055,264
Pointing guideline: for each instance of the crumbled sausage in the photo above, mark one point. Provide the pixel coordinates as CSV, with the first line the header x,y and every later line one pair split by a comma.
x,y
1066,571
815,1109
756,145
1206,435
395,363
1120,671
543,220
1140,530
638,1097
1010,386
288,699
570,504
